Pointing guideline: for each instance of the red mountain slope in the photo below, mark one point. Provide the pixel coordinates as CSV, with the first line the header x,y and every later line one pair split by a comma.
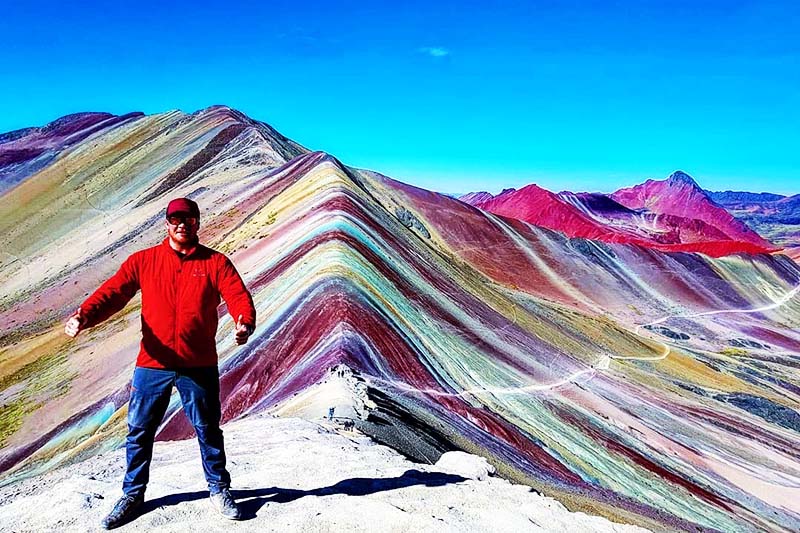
x,y
672,215
543,208
680,195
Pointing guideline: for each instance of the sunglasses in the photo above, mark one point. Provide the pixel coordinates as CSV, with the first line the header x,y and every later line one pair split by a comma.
x,y
176,220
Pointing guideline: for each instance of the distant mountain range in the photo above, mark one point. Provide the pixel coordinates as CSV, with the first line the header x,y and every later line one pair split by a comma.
x,y
605,370
774,216
673,214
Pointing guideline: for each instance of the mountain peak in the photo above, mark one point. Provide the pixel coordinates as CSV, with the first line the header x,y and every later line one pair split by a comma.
x,y
680,177
224,110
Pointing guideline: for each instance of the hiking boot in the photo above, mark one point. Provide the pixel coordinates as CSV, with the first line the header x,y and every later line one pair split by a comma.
x,y
124,510
225,505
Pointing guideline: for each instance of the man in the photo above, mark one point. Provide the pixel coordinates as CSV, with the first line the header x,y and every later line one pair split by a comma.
x,y
181,283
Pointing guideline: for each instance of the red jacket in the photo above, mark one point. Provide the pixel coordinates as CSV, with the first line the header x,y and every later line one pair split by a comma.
x,y
180,296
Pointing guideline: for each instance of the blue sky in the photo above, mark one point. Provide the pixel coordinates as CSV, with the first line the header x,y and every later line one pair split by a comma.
x,y
450,96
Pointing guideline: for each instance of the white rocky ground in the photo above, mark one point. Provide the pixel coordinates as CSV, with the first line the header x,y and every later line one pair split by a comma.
x,y
293,475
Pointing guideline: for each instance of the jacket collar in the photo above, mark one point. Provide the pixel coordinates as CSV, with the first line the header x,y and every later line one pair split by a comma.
x,y
193,251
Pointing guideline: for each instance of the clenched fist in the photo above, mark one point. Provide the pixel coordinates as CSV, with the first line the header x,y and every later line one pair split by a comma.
x,y
75,323
243,331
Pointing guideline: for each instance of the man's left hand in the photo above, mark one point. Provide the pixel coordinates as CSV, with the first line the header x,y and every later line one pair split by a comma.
x,y
243,331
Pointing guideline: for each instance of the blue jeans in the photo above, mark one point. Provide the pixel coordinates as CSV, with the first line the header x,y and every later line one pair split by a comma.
x,y
150,392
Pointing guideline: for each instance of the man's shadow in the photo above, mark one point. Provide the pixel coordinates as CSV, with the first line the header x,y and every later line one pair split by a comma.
x,y
255,499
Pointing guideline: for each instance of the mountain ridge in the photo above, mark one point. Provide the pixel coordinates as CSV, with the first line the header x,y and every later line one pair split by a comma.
x,y
470,330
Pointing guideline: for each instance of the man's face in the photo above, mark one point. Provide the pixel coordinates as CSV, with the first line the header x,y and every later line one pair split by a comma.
x,y
182,228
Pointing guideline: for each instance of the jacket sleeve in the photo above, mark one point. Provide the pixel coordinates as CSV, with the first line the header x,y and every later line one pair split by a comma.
x,y
235,294
113,294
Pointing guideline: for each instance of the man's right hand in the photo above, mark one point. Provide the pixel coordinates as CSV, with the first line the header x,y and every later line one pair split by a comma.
x,y
75,323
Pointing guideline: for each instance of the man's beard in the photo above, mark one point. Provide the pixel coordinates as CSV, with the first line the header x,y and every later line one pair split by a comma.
x,y
191,240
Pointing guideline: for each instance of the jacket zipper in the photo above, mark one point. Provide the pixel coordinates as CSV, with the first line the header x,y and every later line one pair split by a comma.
x,y
177,302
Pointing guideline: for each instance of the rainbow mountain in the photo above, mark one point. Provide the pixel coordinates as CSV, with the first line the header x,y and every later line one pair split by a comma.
x,y
651,387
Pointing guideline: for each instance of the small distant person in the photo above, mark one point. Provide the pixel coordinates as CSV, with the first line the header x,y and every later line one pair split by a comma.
x,y
181,282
